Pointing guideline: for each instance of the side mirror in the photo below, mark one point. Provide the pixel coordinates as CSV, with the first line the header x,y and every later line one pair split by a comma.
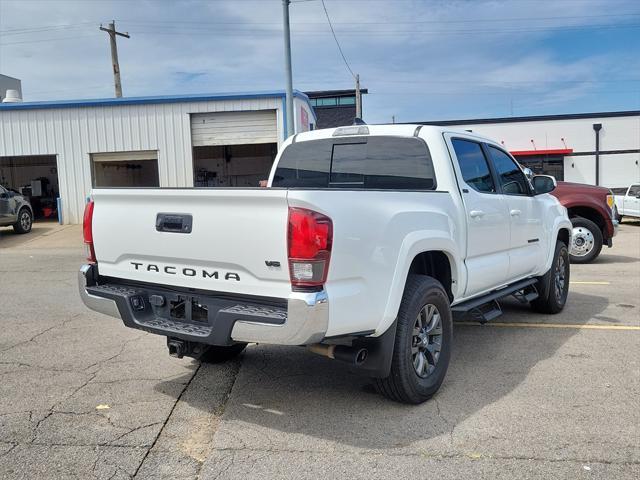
x,y
544,184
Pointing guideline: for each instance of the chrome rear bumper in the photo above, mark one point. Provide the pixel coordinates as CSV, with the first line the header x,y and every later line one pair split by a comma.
x,y
306,322
86,278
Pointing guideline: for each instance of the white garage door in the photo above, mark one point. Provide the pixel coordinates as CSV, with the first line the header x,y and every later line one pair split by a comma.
x,y
234,128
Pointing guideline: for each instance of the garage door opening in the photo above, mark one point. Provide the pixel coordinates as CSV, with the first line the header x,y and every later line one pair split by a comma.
x,y
233,149
232,165
36,178
125,169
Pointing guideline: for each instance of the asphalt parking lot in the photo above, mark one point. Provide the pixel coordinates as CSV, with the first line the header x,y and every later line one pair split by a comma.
x,y
528,396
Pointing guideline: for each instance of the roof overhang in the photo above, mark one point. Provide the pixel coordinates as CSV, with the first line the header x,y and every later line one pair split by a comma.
x,y
531,153
158,99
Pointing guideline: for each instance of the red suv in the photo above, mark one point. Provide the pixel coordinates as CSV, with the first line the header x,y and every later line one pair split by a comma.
x,y
590,209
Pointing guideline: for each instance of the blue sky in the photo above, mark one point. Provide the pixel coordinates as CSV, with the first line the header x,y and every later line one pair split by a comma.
x,y
420,59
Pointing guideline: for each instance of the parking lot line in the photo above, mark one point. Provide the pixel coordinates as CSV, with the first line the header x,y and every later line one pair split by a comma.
x,y
589,283
553,325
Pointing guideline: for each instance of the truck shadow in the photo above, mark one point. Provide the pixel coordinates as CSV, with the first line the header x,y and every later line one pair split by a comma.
x,y
628,221
283,395
615,259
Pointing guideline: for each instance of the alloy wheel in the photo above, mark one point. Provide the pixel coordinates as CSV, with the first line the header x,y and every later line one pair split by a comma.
x,y
427,340
560,278
25,221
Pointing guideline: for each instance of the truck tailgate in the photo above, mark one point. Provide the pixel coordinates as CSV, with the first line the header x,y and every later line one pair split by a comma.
x,y
236,238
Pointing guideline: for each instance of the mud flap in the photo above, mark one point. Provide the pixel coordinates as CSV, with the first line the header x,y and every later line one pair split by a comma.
x,y
379,354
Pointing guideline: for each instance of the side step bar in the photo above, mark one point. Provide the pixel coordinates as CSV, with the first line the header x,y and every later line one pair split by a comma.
x,y
486,307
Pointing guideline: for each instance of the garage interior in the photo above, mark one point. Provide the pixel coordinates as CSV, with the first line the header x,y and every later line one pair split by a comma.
x,y
233,149
125,169
36,178
232,165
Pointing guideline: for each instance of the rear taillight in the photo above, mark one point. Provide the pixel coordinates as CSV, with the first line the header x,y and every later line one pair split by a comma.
x,y
309,246
87,231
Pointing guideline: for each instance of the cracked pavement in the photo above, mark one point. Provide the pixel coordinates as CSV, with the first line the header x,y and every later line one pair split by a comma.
x,y
81,396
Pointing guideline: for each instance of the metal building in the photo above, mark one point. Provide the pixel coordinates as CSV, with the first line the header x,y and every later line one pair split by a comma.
x,y
61,149
334,108
595,148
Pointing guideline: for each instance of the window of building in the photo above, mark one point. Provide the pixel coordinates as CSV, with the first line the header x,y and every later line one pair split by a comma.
x,y
473,165
511,178
332,101
347,100
386,163
327,102
125,169
544,164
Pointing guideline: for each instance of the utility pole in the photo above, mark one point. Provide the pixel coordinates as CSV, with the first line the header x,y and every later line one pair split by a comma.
x,y
393,119
358,98
111,30
287,65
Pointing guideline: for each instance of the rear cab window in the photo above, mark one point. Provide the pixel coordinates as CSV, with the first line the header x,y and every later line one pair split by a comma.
x,y
373,162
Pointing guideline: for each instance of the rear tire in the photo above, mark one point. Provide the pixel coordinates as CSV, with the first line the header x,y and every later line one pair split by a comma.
x,y
586,240
553,286
221,354
25,221
422,346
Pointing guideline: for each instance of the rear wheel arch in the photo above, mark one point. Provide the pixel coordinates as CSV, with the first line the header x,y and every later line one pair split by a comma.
x,y
435,264
564,236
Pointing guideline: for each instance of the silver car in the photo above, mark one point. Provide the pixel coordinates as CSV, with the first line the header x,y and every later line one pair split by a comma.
x,y
15,210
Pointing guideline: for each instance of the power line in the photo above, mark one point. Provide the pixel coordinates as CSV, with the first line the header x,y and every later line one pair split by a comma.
x,y
378,32
41,40
309,33
43,28
336,39
439,21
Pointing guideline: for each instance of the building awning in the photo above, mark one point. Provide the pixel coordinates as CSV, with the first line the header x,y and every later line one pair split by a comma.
x,y
530,153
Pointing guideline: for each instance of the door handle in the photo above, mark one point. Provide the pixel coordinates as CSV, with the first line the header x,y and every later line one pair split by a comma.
x,y
476,213
515,213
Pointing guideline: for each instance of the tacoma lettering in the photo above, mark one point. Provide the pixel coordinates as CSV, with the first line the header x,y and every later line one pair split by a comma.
x,y
185,271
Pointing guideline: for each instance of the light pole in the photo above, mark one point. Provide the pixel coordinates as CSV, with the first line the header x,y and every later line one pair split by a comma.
x,y
287,64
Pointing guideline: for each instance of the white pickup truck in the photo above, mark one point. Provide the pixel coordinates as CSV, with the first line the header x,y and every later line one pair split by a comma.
x,y
627,202
367,241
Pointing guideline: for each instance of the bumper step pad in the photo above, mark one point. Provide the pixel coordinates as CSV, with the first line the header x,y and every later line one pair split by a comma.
x,y
137,310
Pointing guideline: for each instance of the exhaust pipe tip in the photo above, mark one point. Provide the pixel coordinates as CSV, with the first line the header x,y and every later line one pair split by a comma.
x,y
354,356
361,356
